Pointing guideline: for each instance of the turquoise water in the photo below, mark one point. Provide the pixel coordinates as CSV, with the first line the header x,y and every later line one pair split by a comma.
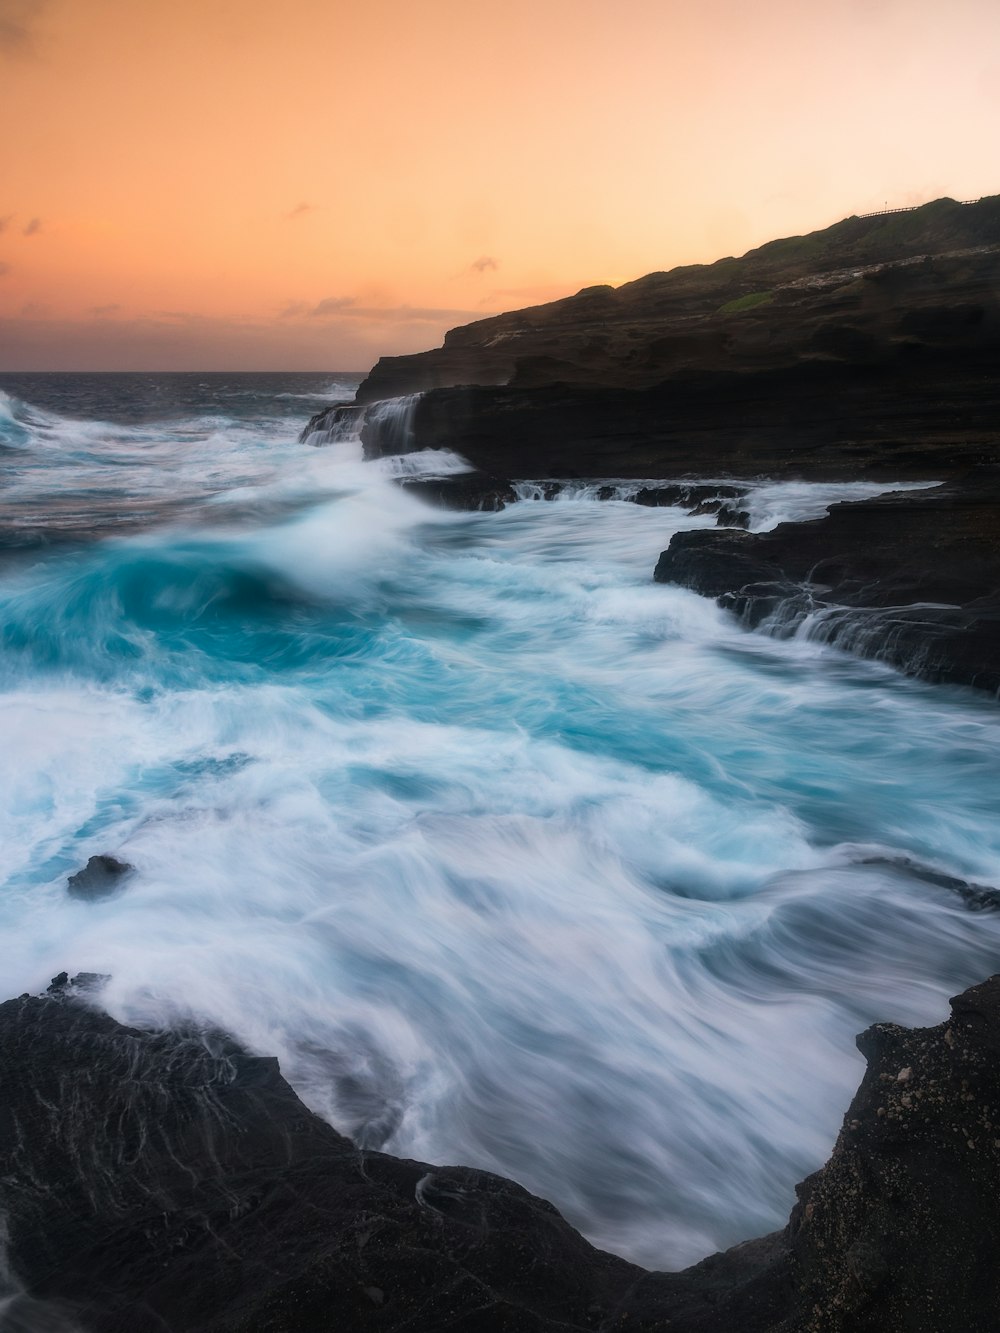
x,y
513,857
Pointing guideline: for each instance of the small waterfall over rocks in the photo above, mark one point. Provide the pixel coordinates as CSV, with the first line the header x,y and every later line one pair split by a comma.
x,y
720,498
385,427
906,635
340,422
388,426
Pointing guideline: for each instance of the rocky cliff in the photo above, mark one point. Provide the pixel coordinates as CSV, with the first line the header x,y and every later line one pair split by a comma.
x,y
171,1181
869,346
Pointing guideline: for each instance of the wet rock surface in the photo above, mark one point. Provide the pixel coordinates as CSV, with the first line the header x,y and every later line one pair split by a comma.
x,y
100,878
818,421
912,578
463,490
331,424
171,1181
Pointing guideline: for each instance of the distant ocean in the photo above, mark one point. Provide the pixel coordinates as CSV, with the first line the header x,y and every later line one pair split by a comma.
x,y
511,856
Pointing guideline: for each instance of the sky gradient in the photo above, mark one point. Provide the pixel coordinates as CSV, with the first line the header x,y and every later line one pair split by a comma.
x,y
236,184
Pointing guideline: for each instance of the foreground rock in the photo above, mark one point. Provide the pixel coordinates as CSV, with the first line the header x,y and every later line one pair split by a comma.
x,y
911,578
172,1181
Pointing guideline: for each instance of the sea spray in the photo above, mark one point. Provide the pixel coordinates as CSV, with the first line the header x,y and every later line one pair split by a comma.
x,y
512,856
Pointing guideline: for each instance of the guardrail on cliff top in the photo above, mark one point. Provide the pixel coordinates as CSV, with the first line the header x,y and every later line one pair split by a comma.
x,y
912,208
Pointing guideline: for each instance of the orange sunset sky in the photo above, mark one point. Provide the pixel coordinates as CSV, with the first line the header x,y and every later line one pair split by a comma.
x,y
221,184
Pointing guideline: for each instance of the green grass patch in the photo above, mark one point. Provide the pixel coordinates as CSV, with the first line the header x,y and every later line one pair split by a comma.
x,y
746,303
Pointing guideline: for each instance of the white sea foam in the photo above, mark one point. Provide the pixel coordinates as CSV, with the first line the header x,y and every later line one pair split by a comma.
x,y
799,501
425,463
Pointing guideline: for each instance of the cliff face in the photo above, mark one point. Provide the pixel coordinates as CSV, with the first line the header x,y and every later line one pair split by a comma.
x,y
815,421
172,1181
905,309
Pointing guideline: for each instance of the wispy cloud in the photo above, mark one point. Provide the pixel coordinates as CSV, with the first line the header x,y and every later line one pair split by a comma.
x,y
17,22
484,264
300,210
33,227
332,305
4,268
101,310
6,221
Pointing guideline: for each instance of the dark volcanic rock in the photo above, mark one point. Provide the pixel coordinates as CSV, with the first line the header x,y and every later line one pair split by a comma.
x,y
481,491
912,578
172,1181
463,490
698,498
102,876
818,420
865,347
900,1230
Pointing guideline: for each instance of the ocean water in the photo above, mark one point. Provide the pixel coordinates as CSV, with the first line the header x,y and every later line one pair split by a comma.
x,y
513,857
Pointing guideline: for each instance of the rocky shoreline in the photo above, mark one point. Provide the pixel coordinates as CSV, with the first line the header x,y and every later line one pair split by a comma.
x,y
912,578
171,1180
867,351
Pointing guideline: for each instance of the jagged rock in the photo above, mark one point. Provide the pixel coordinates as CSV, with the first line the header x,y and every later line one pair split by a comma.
x,y
698,498
464,490
912,578
900,1230
61,985
813,420
100,878
171,1180
732,515
976,897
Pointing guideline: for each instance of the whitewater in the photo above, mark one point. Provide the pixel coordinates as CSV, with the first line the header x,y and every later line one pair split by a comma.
x,y
511,856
